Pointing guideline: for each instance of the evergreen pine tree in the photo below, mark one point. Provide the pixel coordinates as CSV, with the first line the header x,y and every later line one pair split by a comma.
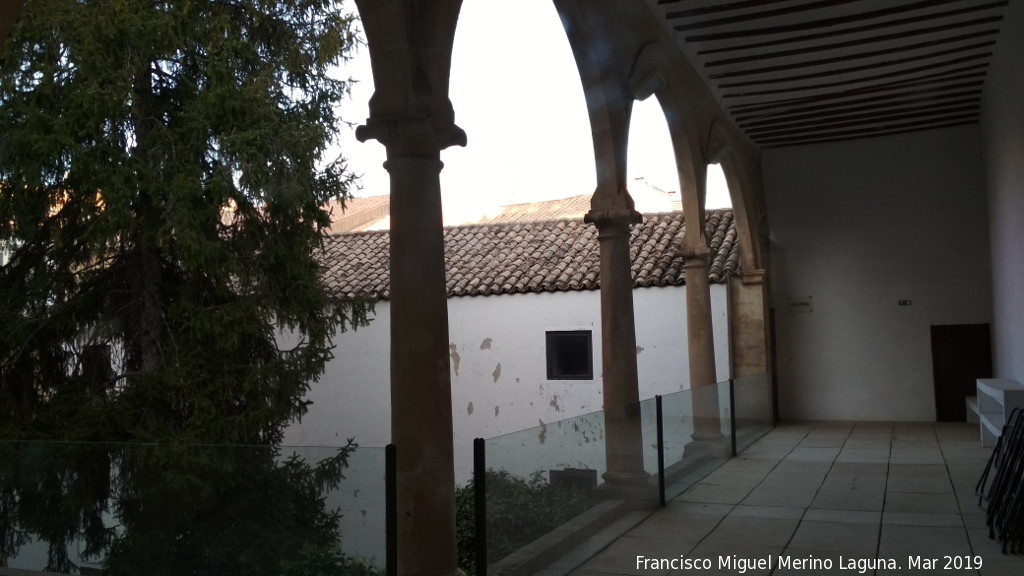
x,y
161,185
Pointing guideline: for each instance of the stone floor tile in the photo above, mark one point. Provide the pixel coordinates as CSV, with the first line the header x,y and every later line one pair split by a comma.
x,y
916,456
809,481
771,496
771,532
854,482
703,508
750,464
845,516
917,469
734,478
783,512
859,444
621,556
918,519
939,484
859,469
813,454
671,525
824,441
855,538
802,467
844,499
921,503
864,455
928,541
983,545
715,494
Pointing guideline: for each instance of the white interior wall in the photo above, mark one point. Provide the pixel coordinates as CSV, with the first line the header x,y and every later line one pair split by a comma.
x,y
1003,129
856,227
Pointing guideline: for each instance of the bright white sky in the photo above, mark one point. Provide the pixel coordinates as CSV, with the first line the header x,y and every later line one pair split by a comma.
x,y
517,94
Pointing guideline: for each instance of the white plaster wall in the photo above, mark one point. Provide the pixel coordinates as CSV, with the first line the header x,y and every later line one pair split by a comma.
x,y
499,390
1003,129
857,226
499,380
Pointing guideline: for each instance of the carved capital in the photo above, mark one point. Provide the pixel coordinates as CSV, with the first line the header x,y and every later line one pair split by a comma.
x,y
431,132
753,277
696,256
610,218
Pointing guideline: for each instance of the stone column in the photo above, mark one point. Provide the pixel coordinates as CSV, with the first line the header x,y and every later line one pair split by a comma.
x,y
410,44
748,324
421,405
707,432
623,432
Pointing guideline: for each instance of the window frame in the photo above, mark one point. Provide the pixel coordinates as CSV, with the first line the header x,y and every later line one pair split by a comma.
x,y
552,338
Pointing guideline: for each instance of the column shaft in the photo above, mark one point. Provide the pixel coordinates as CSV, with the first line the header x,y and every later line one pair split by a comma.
x,y
706,420
623,432
421,405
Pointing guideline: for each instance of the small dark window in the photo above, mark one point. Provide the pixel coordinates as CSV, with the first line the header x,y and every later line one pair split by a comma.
x,y
570,355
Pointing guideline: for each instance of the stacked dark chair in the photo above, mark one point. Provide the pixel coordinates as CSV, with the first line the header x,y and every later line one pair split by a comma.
x,y
1004,498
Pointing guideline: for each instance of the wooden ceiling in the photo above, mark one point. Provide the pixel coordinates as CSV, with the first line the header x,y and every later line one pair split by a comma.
x,y
800,71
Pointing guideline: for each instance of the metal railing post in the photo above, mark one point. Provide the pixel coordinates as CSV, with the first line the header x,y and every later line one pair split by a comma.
x,y
732,414
659,420
480,505
390,511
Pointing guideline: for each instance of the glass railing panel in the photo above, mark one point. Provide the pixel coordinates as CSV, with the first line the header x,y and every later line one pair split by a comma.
x,y
688,459
649,427
190,509
753,408
542,477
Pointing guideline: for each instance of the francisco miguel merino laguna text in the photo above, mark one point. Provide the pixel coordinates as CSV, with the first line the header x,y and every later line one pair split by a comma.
x,y
741,565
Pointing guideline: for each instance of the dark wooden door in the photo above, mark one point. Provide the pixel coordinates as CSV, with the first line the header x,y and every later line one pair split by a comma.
x,y
961,353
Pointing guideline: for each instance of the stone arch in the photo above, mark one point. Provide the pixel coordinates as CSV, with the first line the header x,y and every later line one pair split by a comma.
x,y
743,190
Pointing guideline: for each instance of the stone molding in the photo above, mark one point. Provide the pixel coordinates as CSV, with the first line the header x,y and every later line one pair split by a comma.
x,y
609,218
753,277
696,256
433,132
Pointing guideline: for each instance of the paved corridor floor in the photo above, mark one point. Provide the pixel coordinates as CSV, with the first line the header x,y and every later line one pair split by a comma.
x,y
813,495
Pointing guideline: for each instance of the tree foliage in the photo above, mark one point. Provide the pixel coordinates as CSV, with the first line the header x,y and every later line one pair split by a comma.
x,y
162,181
518,512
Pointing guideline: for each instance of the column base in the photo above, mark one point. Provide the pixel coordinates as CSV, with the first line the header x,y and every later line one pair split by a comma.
x,y
625,479
714,445
625,486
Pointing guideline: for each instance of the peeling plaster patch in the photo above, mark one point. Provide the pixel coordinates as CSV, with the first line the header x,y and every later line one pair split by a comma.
x,y
496,409
455,357
497,372
486,344
639,349
543,431
554,403
469,409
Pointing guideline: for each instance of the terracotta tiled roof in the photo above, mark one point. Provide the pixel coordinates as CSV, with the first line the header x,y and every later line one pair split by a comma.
x,y
358,212
545,256
572,207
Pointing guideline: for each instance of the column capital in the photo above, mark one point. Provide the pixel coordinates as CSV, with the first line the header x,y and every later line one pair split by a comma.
x,y
695,256
430,133
610,218
753,277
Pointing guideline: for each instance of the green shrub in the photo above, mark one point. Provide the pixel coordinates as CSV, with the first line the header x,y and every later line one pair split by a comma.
x,y
518,512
